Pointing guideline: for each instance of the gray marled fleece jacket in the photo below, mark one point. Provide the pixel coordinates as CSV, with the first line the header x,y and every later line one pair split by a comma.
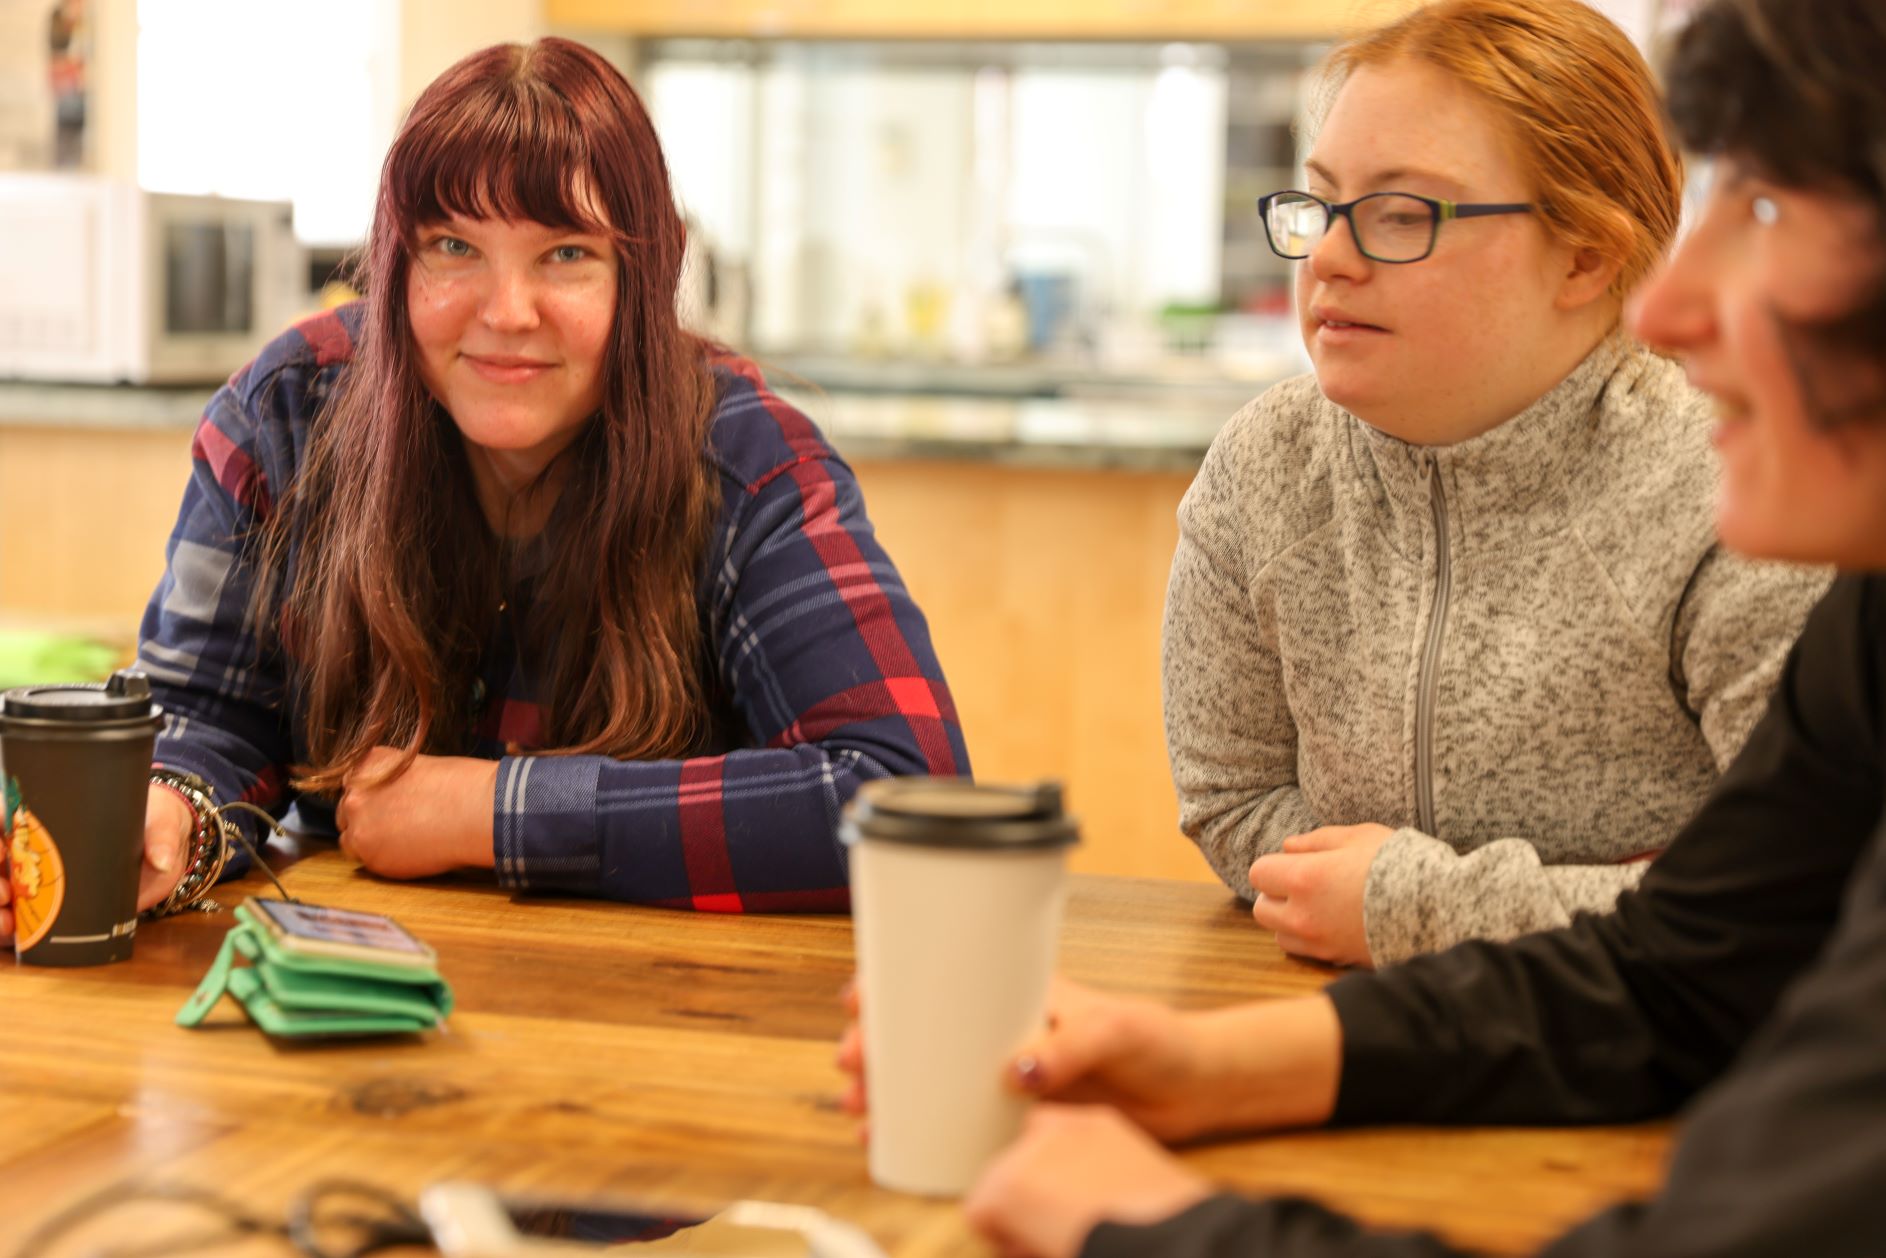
x,y
1527,651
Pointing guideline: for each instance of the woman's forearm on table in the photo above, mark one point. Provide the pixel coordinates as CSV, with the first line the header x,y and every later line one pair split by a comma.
x,y
1278,1062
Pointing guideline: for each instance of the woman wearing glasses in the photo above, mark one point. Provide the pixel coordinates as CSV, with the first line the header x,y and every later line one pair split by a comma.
x,y
1450,647
1745,980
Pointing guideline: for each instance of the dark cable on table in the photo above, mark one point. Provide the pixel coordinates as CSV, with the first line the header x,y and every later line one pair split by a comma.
x,y
396,1224
273,824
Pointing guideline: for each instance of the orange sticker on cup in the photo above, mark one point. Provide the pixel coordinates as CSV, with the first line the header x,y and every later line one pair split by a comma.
x,y
38,876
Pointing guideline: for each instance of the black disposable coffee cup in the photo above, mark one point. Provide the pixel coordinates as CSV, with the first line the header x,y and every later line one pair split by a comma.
x,y
76,764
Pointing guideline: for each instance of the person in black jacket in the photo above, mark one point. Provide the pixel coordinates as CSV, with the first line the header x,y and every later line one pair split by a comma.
x,y
1745,980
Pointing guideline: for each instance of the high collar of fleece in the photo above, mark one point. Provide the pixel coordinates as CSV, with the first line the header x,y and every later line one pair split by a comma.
x,y
1519,472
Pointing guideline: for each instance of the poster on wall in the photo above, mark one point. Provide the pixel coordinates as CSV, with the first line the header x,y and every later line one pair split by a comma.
x,y
1637,18
1650,23
45,55
67,47
1675,13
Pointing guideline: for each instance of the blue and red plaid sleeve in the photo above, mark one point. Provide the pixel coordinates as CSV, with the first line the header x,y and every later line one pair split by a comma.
x,y
221,690
829,665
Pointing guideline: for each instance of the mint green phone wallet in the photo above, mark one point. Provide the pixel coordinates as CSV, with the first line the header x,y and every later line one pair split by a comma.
x,y
298,995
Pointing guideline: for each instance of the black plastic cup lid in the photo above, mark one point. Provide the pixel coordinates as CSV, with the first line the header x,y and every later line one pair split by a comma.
x,y
126,696
955,812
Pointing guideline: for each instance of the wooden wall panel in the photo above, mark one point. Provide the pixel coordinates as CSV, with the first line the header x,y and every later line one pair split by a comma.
x,y
84,515
1044,590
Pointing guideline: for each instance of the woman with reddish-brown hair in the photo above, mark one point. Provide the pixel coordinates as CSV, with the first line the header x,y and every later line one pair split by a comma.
x,y
1451,648
502,568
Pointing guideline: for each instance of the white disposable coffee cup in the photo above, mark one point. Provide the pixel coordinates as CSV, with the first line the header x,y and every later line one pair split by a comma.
x,y
957,891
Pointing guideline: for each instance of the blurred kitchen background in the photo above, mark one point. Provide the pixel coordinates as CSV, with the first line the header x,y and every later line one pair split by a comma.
x,y
1003,251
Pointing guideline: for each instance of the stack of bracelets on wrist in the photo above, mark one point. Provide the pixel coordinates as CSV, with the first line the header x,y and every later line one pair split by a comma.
x,y
209,840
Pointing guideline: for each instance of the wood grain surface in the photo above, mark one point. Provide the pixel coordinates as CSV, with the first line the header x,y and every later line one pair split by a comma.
x,y
606,1051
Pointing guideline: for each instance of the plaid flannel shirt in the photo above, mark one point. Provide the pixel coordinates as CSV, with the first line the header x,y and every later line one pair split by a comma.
x,y
824,656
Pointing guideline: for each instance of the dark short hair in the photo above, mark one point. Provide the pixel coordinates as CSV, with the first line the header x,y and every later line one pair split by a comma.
x,y
1795,89
1793,86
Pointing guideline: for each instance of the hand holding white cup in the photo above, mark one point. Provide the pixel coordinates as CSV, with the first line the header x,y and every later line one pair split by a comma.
x,y
957,895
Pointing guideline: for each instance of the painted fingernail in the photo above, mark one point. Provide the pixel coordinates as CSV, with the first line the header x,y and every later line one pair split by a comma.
x,y
1028,1073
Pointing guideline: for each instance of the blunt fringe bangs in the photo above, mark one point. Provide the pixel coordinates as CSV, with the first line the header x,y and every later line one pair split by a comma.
x,y
511,148
395,573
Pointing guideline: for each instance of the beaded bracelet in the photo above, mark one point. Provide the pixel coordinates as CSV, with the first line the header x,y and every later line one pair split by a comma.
x,y
209,840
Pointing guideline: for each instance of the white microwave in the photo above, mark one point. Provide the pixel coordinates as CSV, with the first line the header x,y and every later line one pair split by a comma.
x,y
101,281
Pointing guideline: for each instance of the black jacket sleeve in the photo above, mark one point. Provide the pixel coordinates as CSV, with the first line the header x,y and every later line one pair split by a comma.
x,y
1628,1014
1220,1227
1759,937
1785,1156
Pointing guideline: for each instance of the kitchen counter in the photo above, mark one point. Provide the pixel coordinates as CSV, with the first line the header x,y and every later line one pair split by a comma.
x,y
1034,432
1142,430
101,405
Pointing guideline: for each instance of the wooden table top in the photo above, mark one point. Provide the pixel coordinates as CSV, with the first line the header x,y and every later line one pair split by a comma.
x,y
610,1051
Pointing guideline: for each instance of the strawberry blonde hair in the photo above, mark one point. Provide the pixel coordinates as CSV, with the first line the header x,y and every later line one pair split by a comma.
x,y
1578,99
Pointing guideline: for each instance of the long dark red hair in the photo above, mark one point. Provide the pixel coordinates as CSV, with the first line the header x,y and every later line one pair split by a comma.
x,y
392,577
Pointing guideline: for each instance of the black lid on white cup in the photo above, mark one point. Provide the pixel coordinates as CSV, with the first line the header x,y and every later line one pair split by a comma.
x,y
126,697
955,812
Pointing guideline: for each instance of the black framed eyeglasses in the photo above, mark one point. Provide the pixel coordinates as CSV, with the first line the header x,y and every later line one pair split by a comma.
x,y
1387,226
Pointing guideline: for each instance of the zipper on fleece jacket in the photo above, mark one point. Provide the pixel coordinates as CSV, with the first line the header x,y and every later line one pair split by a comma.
x,y
1429,678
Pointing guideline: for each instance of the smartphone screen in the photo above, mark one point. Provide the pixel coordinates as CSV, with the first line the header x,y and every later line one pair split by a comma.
x,y
341,932
614,1226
